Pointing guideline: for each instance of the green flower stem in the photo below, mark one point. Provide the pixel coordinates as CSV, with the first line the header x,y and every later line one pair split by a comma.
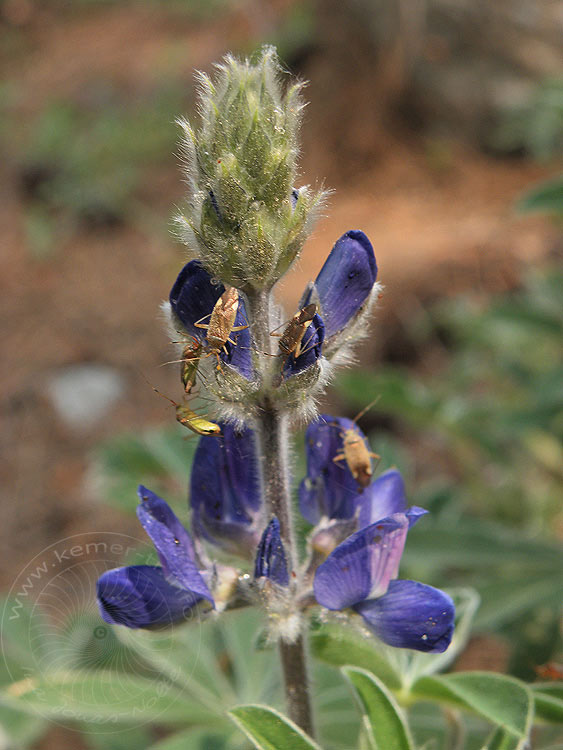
x,y
272,430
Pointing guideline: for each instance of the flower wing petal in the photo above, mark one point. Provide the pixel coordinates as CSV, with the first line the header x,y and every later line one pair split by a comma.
x,y
346,280
271,561
139,596
172,542
193,296
411,615
383,497
225,486
362,565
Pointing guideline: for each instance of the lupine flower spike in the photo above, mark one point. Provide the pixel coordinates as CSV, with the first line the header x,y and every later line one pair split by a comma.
x,y
245,222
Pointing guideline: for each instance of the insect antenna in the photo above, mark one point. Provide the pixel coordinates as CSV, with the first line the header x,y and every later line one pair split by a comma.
x,y
366,408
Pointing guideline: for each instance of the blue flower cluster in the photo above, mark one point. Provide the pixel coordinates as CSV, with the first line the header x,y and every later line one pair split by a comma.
x,y
359,532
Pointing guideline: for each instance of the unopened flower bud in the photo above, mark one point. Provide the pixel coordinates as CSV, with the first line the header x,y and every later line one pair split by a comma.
x,y
242,218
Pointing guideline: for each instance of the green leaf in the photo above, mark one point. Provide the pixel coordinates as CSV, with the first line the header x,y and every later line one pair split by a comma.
x,y
342,646
548,700
523,593
270,730
388,726
478,544
195,739
114,697
18,729
502,700
501,740
126,738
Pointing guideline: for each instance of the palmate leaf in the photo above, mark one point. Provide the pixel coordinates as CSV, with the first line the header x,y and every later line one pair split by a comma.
x,y
502,700
105,696
194,655
270,730
387,724
345,646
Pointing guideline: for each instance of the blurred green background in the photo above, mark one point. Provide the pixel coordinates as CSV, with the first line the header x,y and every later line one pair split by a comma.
x,y
445,144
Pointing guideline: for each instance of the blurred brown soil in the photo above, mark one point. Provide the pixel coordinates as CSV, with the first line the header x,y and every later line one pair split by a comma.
x,y
437,228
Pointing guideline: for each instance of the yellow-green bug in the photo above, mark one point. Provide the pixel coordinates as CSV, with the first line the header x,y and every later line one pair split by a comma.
x,y
188,418
190,360
201,426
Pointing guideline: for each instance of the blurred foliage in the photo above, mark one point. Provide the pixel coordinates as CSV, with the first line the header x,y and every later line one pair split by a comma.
x,y
536,127
88,160
491,412
545,198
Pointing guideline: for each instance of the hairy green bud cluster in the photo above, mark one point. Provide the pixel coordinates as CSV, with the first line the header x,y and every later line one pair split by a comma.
x,y
243,218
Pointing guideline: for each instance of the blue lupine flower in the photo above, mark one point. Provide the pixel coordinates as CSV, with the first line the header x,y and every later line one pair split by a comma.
x,y
270,558
193,297
360,574
344,282
147,596
225,494
311,349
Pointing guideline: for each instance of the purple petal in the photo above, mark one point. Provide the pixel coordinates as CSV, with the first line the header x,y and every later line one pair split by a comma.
x,y
193,298
363,565
329,489
140,597
411,615
346,280
311,349
270,557
225,487
414,513
172,542
382,498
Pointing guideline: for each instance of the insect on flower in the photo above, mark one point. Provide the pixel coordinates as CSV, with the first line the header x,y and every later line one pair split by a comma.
x,y
221,323
190,360
356,453
188,418
291,339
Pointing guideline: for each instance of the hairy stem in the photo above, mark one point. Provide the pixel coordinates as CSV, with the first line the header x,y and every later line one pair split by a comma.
x,y
294,666
272,431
